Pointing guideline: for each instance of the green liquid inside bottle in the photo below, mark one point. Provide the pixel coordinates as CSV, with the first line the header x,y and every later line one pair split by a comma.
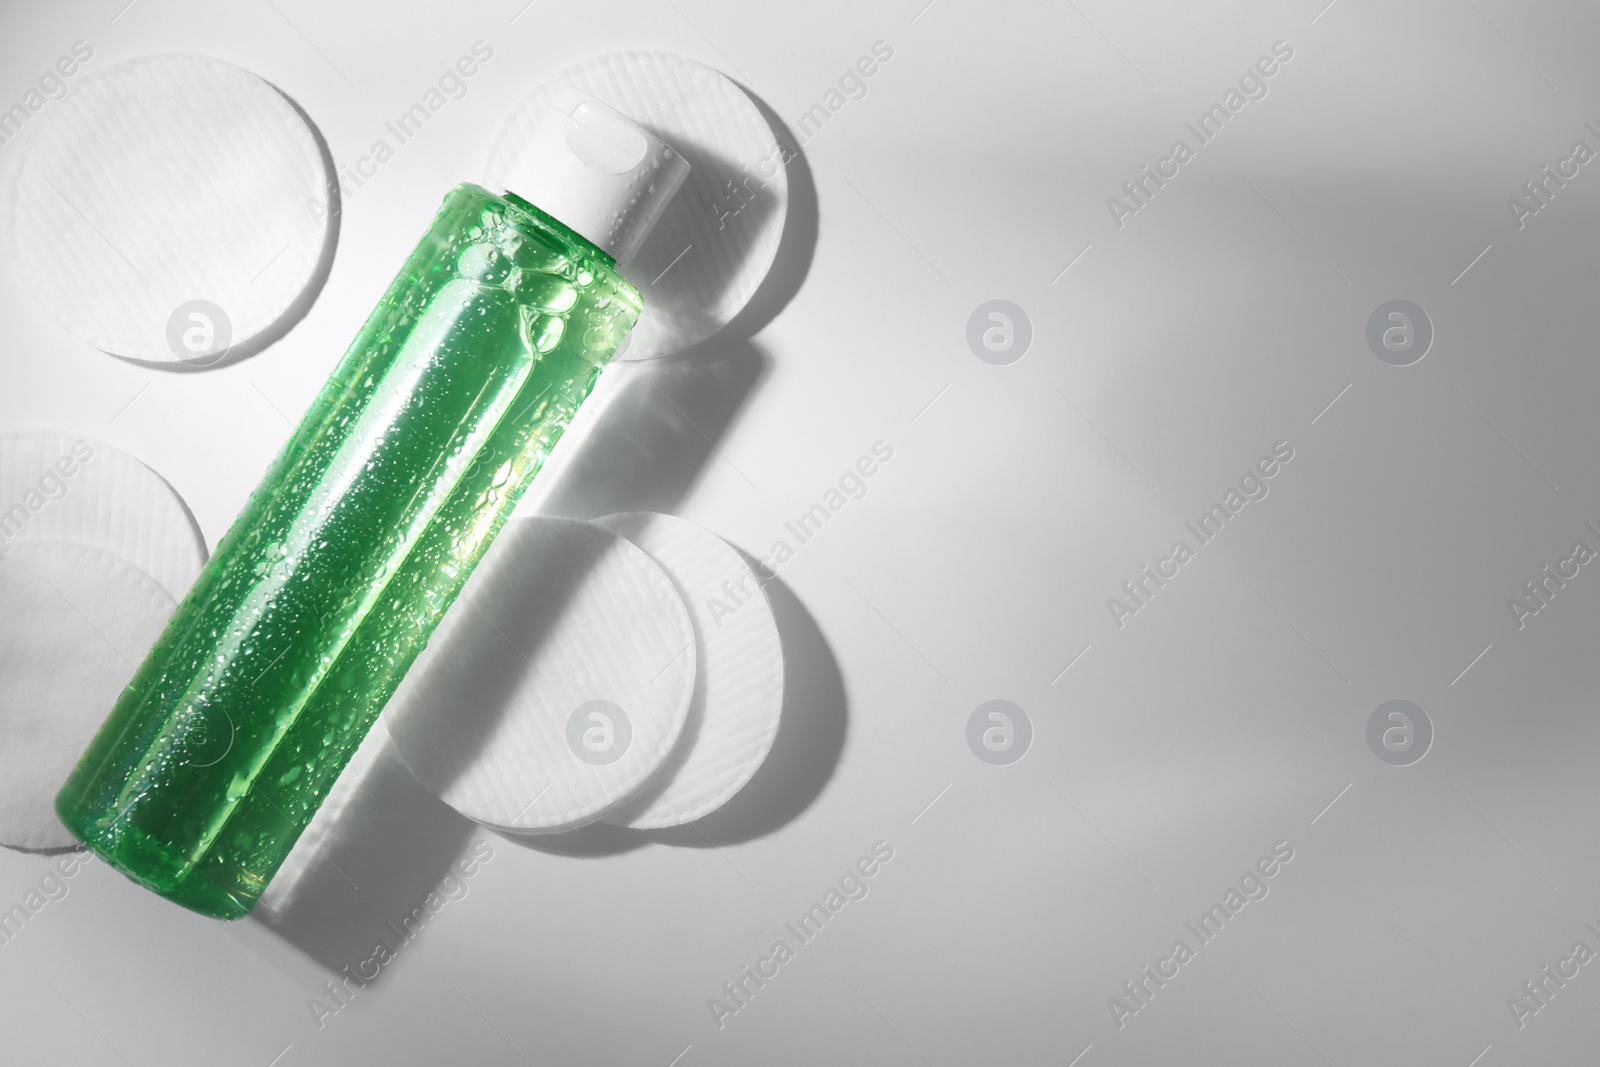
x,y
347,555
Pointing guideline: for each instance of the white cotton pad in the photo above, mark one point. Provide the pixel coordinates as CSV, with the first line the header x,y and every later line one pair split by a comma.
x,y
163,187
727,219
556,685
76,623
738,694
62,486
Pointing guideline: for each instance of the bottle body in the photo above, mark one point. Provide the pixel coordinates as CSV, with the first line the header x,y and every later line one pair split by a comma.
x,y
348,554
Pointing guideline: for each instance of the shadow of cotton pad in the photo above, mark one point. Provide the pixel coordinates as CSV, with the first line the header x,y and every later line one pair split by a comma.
x,y
166,187
556,685
61,486
738,694
717,239
76,623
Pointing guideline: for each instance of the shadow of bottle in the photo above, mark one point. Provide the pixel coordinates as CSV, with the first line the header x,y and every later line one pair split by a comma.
x,y
394,844
655,430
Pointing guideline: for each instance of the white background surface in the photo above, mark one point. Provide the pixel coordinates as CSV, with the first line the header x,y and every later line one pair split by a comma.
x,y
1224,717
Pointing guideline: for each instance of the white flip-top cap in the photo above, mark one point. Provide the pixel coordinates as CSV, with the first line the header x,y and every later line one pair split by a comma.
x,y
599,172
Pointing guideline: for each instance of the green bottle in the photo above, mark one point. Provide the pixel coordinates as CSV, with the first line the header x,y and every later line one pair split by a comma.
x,y
370,520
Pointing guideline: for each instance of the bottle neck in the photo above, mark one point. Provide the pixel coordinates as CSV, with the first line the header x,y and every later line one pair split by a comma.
x,y
545,220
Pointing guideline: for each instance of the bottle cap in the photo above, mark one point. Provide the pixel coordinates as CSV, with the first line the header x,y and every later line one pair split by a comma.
x,y
599,172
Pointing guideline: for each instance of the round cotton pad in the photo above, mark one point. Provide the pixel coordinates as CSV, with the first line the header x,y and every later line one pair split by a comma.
x,y
717,238
556,685
76,623
738,693
164,188
61,486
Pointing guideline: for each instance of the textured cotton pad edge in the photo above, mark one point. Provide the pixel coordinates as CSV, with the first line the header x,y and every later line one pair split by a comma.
x,y
77,623
555,687
739,685
56,485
